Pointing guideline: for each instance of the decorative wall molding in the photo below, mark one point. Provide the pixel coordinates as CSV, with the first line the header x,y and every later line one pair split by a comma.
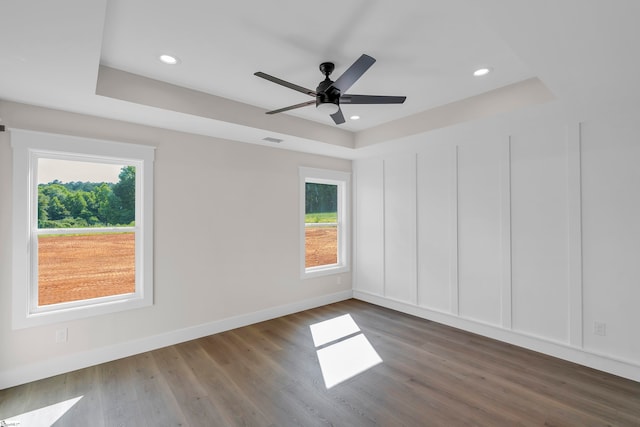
x,y
505,235
574,222
538,177
454,280
384,239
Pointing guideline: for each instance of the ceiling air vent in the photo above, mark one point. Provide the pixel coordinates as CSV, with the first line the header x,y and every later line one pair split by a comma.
x,y
274,140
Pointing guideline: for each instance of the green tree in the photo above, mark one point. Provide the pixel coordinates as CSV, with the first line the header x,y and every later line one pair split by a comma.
x,y
125,191
106,211
56,209
43,206
321,198
92,204
76,204
56,189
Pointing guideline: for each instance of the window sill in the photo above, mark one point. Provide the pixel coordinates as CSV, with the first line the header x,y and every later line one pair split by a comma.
x,y
325,270
106,306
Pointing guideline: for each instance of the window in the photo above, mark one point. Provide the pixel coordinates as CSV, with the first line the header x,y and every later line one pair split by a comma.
x,y
324,230
83,220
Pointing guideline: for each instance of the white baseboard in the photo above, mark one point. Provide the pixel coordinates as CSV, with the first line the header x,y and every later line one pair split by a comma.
x,y
622,368
72,362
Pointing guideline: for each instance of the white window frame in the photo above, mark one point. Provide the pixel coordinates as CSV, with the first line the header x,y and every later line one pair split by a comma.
x,y
342,181
28,147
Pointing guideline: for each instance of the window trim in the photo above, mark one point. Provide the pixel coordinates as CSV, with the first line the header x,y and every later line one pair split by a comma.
x,y
343,181
28,146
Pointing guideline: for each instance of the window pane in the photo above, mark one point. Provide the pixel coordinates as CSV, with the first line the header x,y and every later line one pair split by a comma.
x,y
78,194
321,245
321,228
85,266
75,194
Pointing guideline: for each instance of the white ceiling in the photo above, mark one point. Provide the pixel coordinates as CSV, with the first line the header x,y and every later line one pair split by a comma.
x,y
424,50
584,51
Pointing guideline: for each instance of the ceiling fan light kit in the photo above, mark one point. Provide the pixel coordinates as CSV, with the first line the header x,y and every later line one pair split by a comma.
x,y
330,94
328,107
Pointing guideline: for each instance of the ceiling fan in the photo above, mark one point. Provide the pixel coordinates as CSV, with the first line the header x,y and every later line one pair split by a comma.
x,y
329,94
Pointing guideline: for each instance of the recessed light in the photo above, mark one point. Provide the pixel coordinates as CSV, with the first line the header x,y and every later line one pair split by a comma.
x,y
168,59
355,117
482,71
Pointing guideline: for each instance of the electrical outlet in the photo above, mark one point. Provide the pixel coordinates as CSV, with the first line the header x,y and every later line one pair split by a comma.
x,y
61,335
600,328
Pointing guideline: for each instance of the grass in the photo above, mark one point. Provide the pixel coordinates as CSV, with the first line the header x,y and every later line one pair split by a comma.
x,y
85,234
321,217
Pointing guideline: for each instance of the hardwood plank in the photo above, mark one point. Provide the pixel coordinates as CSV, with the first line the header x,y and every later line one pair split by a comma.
x,y
225,396
117,394
84,384
153,394
13,401
268,374
185,387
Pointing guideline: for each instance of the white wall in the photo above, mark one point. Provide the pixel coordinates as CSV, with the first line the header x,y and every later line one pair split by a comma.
x,y
479,231
369,200
528,234
400,228
611,238
436,205
226,246
539,226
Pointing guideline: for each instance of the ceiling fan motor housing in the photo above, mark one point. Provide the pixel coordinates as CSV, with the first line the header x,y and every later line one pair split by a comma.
x,y
331,97
325,92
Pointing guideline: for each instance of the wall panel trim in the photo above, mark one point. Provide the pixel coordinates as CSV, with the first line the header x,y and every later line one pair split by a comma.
x,y
505,235
574,223
416,274
384,230
454,281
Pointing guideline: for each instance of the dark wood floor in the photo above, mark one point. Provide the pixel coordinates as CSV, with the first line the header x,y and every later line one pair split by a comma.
x,y
268,375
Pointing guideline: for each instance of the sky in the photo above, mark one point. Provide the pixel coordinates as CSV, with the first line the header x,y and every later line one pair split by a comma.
x,y
71,170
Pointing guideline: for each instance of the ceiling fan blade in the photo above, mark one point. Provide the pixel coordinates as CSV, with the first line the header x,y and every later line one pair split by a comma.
x,y
285,83
371,99
353,73
292,107
338,118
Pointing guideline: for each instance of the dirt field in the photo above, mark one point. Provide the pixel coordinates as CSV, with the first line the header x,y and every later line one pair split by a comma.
x,y
321,246
73,268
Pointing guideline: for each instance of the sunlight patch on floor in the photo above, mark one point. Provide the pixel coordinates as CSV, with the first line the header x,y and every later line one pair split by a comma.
x,y
333,329
45,416
346,359
348,352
